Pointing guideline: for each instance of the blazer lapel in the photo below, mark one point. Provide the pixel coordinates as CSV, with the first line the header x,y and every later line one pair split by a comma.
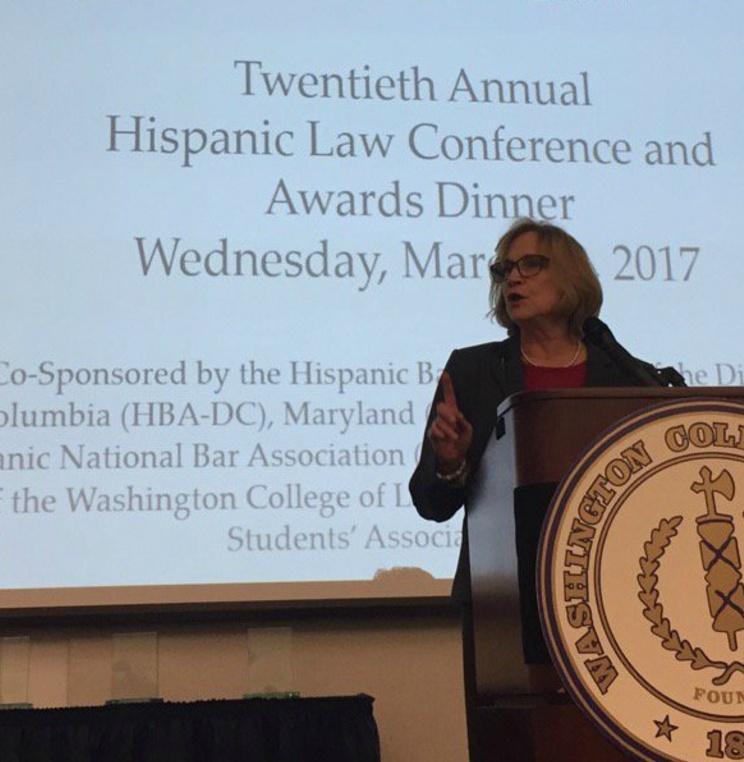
x,y
506,367
600,370
514,380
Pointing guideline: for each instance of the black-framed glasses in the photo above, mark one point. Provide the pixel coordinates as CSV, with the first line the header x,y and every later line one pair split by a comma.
x,y
527,266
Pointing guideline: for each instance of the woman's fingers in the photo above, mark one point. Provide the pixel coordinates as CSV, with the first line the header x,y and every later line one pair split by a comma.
x,y
448,390
453,418
450,432
448,452
441,430
447,413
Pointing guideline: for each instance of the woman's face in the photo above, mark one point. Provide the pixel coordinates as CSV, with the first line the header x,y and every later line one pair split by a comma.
x,y
534,300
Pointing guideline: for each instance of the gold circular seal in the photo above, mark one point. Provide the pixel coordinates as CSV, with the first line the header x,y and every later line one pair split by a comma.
x,y
641,582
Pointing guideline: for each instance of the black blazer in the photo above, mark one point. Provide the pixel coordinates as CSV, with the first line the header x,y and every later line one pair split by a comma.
x,y
483,376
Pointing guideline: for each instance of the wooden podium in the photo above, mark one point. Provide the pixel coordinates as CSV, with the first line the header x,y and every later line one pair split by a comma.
x,y
522,713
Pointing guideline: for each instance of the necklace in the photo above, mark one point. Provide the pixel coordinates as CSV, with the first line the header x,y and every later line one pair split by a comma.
x,y
568,365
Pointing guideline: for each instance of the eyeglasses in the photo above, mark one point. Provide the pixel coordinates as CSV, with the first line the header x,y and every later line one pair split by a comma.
x,y
527,266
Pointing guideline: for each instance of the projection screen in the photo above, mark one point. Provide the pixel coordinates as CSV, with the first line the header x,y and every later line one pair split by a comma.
x,y
240,241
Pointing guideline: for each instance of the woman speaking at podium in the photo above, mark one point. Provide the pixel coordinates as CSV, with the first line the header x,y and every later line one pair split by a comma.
x,y
543,290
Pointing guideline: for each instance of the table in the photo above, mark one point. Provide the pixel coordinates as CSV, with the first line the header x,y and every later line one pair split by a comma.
x,y
337,729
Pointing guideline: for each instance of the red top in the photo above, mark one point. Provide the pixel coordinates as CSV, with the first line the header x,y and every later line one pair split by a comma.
x,y
553,378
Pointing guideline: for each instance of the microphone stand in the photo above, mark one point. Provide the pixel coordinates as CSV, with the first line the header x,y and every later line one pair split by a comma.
x,y
597,333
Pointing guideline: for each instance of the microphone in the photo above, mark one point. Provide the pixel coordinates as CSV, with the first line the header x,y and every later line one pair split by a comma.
x,y
597,333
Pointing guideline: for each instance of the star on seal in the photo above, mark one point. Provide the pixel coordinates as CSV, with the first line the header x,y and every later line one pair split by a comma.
x,y
664,728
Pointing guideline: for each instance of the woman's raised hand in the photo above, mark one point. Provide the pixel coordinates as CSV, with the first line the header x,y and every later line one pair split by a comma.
x,y
450,433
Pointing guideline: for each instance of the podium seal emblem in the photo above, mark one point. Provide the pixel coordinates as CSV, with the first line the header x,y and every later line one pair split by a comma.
x,y
641,582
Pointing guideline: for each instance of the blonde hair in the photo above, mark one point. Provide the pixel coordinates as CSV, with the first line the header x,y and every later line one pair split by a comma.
x,y
574,274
